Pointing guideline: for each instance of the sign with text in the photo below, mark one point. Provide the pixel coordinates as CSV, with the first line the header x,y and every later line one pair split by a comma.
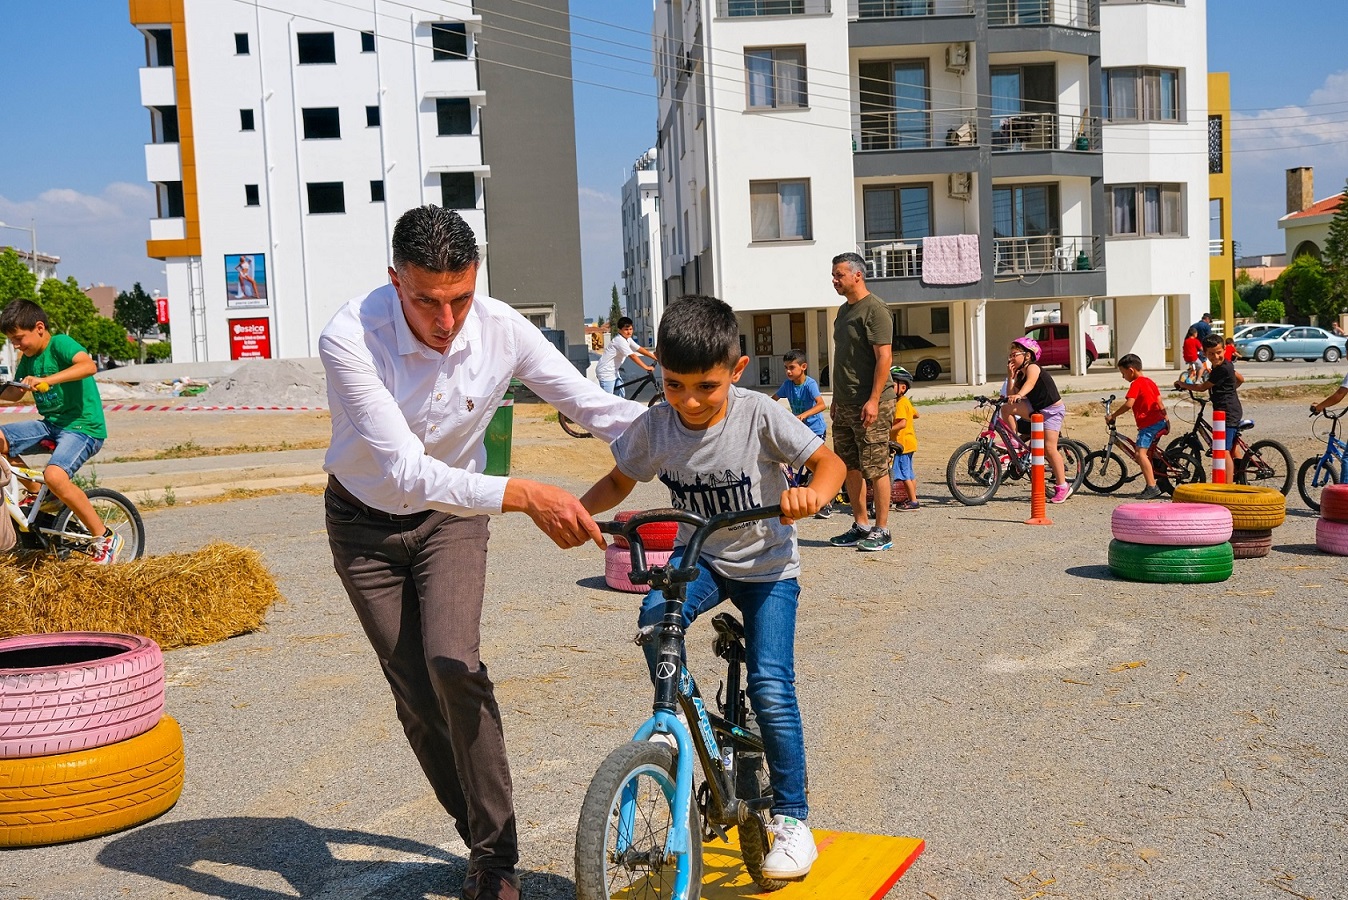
x,y
161,310
250,339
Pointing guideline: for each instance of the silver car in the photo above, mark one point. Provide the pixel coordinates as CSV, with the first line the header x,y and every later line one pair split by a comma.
x,y
1293,342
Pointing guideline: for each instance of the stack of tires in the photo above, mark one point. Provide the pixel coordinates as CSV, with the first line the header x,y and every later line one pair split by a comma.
x,y
657,539
1255,512
85,747
1331,531
1171,543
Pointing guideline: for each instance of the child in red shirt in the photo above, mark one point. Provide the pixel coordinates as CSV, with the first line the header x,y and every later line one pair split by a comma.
x,y
1192,353
1230,350
1144,399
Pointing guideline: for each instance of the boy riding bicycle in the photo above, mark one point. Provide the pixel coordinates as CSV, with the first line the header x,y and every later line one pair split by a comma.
x,y
1144,399
718,447
71,410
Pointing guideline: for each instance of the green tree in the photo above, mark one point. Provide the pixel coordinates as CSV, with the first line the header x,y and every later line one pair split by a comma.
x,y
1270,310
1335,256
67,306
159,351
16,281
615,312
134,310
1250,291
102,336
1303,289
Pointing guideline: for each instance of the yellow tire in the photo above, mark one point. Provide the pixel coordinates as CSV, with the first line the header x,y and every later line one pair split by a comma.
x,y
72,796
1252,507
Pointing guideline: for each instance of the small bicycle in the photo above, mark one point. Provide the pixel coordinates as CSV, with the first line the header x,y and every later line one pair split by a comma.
x,y
1107,471
1263,463
977,469
1327,468
44,524
576,430
639,833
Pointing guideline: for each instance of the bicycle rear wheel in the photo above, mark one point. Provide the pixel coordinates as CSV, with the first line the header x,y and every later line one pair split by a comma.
x,y
1315,475
118,514
624,824
1074,462
973,474
1105,471
1267,464
571,426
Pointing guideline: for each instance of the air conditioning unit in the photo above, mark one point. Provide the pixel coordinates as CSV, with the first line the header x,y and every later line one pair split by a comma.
x,y
957,58
960,185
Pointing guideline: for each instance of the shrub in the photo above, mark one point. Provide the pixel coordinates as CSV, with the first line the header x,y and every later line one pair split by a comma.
x,y
1270,310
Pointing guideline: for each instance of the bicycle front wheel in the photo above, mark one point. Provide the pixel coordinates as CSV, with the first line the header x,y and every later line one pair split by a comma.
x,y
118,514
1073,461
1105,471
1314,476
571,426
1267,464
624,824
973,474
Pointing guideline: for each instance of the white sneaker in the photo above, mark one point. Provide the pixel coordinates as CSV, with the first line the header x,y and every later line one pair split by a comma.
x,y
793,851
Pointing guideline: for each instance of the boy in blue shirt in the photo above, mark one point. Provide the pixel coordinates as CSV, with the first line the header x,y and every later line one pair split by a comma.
x,y
801,392
718,447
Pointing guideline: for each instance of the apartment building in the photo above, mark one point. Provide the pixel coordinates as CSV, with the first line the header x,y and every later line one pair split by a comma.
x,y
643,284
288,136
984,157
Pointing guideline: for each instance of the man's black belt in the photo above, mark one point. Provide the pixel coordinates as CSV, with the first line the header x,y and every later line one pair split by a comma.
x,y
347,497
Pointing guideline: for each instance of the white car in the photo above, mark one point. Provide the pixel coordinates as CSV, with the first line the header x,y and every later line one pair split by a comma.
x,y
1254,329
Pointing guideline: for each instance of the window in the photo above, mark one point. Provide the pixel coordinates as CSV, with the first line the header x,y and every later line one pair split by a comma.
x,y
1025,225
321,123
1141,95
1024,103
449,40
776,77
765,8
315,47
367,42
377,191
1145,210
940,320
326,197
245,120
897,213
240,43
780,210
458,190
250,197
1214,145
170,197
453,116
895,105
372,116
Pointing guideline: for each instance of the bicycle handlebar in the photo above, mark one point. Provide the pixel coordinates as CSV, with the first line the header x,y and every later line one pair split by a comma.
x,y
41,387
703,528
1327,414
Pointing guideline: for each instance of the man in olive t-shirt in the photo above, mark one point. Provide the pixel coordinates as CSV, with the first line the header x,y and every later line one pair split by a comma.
x,y
863,401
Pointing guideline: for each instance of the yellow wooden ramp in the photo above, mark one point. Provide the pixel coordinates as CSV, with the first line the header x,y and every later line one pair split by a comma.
x,y
850,867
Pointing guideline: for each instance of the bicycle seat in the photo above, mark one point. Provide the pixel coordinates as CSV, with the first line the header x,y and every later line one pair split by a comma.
x,y
1243,424
46,445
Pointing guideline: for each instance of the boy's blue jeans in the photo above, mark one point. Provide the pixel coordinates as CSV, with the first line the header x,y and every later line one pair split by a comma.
x,y
72,447
769,612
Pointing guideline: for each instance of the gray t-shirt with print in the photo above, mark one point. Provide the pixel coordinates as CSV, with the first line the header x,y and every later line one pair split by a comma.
x,y
735,464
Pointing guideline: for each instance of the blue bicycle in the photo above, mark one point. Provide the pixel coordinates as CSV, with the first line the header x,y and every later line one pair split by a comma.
x,y
1329,467
640,832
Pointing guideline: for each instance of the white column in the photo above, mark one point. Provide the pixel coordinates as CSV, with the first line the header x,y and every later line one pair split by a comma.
x,y
1075,312
1139,327
970,318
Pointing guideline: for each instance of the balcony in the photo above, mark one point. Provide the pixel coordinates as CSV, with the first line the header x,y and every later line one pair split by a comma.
x,y
1216,247
1046,131
168,229
163,162
733,9
918,129
901,9
1042,254
892,258
1082,14
158,86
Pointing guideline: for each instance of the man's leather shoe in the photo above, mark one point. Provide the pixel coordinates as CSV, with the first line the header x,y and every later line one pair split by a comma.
x,y
491,884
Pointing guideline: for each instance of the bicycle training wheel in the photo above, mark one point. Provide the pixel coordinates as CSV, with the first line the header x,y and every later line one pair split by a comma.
x,y
1315,475
118,514
624,824
571,427
1267,464
973,474
1105,472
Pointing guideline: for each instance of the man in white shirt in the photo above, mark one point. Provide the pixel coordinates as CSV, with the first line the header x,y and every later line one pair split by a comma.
x,y
620,348
415,371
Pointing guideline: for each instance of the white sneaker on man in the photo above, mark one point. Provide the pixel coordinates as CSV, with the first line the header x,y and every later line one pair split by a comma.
x,y
793,851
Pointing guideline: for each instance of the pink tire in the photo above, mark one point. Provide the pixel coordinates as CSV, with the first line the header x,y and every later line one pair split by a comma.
x,y
77,690
655,536
1332,537
618,567
1334,503
1172,524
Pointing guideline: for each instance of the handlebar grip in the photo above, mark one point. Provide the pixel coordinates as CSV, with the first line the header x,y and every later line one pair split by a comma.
x,y
42,387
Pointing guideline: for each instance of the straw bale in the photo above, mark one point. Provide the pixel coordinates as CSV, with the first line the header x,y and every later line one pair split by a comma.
x,y
179,600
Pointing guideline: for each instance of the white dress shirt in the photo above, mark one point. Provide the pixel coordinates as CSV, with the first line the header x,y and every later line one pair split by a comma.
x,y
408,422
613,357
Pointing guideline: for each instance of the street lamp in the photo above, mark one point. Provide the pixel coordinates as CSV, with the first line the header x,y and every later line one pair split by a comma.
x,y
32,231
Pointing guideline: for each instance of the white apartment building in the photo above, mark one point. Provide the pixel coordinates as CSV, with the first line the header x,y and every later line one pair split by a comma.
x,y
984,156
643,281
288,136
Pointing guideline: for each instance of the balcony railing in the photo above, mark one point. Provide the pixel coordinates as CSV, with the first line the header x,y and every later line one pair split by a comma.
x,y
1068,13
1041,254
918,129
1216,247
901,9
739,8
892,257
1045,131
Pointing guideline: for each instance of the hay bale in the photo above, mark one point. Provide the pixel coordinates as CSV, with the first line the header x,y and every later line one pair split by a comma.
x,y
178,600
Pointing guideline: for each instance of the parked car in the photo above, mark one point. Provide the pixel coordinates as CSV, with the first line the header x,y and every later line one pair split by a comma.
x,y
1293,342
1255,329
920,356
1055,345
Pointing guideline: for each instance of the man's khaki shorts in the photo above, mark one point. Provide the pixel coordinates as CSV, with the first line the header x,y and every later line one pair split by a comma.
x,y
863,449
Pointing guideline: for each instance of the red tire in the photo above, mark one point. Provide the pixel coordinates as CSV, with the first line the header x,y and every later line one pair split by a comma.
x,y
1172,524
1252,544
1334,503
618,566
1332,537
654,536
77,690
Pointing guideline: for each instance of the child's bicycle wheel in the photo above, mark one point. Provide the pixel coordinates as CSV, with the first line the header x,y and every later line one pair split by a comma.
x,y
624,824
118,514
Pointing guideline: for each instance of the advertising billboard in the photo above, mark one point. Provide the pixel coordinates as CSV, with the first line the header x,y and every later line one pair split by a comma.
x,y
245,280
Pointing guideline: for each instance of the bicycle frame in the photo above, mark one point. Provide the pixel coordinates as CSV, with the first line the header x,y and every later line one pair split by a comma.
x,y
637,385
26,523
1012,452
1202,430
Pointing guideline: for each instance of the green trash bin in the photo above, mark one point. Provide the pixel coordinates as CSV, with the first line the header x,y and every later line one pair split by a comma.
x,y
499,431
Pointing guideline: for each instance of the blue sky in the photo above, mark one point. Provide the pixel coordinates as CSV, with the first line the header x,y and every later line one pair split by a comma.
x,y
72,161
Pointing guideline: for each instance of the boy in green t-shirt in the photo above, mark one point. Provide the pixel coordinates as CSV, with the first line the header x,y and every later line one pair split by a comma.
x,y
71,410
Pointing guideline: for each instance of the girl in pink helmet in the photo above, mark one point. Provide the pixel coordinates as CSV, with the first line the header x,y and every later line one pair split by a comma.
x,y
1029,390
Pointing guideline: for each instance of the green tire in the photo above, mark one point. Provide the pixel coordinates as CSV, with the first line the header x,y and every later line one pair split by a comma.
x,y
1170,565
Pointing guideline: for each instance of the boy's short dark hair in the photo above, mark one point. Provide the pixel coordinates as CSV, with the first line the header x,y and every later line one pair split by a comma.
x,y
1211,341
697,334
625,322
794,356
1130,361
22,315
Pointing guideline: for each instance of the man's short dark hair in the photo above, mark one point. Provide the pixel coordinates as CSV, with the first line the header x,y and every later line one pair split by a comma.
x,y
22,315
434,239
697,334
625,322
1206,315
1211,341
794,356
854,260
1130,361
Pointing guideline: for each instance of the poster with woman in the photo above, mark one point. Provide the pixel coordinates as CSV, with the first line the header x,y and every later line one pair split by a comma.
x,y
245,279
